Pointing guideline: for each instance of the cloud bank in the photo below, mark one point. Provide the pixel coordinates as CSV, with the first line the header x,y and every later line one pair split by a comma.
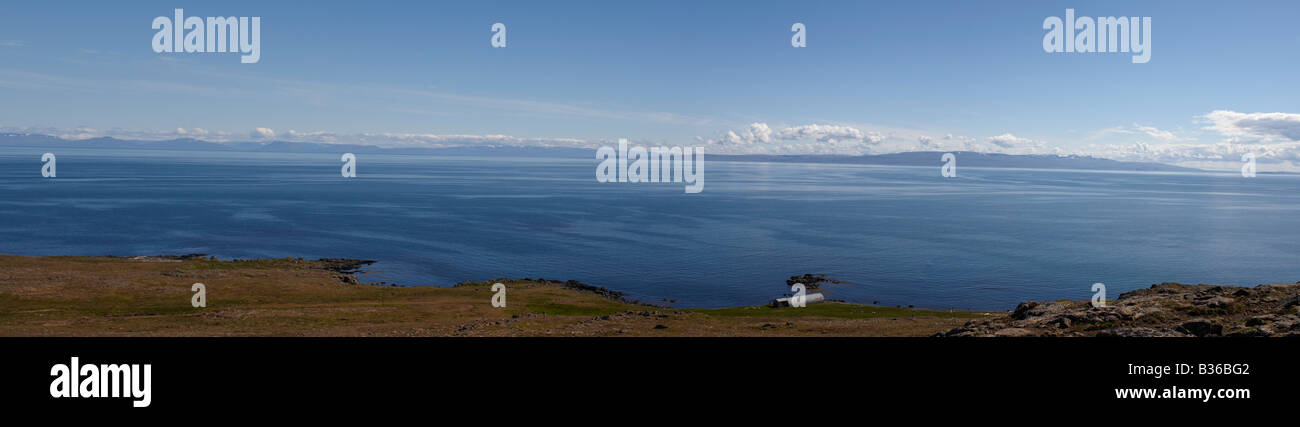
x,y
763,138
1274,138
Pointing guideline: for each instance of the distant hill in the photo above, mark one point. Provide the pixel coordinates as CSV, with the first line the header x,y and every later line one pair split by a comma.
x,y
967,159
915,158
191,144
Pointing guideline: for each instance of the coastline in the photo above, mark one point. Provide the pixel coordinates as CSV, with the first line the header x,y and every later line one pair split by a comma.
x,y
154,296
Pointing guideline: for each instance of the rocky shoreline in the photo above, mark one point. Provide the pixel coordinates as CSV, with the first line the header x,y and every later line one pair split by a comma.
x,y
156,296
568,284
1163,310
152,295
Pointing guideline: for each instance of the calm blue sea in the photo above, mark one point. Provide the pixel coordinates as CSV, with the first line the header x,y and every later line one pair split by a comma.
x,y
898,235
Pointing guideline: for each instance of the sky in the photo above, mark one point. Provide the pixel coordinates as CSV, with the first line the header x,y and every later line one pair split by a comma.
x,y
874,77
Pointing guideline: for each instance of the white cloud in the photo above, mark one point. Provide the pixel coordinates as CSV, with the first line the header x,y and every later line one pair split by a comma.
x,y
1149,131
760,138
947,142
951,142
1007,140
755,133
964,139
1217,155
1161,135
1274,139
1262,127
11,43
1011,144
387,140
437,140
826,133
119,133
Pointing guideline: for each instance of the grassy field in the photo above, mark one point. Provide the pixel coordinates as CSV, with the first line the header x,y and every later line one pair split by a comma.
x,y
102,296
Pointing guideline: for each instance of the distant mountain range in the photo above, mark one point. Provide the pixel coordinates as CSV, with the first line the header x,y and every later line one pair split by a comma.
x,y
191,144
968,159
915,158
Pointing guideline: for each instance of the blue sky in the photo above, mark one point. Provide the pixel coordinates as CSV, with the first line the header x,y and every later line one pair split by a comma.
x,y
875,76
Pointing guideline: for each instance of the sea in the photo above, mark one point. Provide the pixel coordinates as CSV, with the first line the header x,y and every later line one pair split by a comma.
x,y
898,236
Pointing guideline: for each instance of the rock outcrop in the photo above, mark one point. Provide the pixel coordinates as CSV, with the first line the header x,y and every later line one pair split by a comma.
x,y
1163,310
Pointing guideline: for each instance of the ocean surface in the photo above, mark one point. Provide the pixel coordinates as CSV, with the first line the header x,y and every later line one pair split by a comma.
x,y
897,235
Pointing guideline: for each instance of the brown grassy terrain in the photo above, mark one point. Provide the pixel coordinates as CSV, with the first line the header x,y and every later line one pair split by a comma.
x,y
104,296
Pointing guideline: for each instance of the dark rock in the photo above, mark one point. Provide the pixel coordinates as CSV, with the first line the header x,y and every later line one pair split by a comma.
x,y
1201,328
1249,333
1139,332
343,265
1022,310
1216,302
1166,309
1260,320
811,281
